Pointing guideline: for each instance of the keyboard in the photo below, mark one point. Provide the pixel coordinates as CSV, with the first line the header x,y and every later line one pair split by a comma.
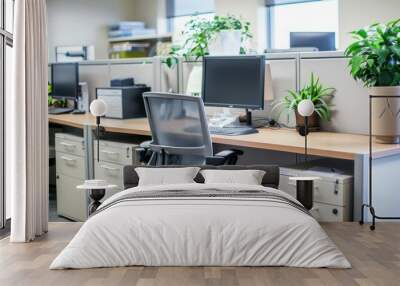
x,y
232,131
60,110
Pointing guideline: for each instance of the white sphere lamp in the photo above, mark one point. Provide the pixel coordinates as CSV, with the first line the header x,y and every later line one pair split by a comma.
x,y
98,108
305,108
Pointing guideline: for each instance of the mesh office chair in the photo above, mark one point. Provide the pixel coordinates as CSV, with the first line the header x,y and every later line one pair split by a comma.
x,y
180,134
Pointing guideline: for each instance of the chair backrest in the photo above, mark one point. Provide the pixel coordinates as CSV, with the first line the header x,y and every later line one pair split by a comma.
x,y
179,127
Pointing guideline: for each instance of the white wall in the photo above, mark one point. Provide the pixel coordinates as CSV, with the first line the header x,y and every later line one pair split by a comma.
x,y
84,22
354,14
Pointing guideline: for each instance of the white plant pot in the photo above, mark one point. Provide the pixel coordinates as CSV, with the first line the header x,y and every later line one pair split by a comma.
x,y
386,114
225,43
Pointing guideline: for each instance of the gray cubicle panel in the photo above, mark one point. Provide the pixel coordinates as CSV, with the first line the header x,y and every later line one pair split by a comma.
x,y
351,98
99,73
95,75
169,81
284,77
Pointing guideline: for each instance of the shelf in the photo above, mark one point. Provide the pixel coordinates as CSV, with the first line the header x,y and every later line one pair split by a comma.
x,y
140,38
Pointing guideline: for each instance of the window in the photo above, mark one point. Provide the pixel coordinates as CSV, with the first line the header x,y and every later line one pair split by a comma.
x,y
6,43
307,16
179,12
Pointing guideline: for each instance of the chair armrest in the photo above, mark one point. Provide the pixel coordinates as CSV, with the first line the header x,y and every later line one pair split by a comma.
x,y
143,152
225,157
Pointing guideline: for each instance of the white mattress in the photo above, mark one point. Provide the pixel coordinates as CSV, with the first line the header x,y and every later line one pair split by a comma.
x,y
200,232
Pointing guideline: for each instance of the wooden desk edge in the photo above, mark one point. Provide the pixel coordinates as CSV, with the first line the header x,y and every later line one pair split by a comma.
x,y
237,142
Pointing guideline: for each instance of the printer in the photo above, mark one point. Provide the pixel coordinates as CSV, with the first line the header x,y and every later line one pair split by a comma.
x,y
123,101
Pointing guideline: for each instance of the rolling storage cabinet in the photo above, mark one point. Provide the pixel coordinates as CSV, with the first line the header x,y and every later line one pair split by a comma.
x,y
113,157
70,172
333,192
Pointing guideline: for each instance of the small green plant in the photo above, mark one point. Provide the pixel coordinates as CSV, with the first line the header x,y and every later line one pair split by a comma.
x,y
375,55
199,31
51,101
314,91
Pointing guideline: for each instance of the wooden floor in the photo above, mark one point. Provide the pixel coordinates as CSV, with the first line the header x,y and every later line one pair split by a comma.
x,y
375,257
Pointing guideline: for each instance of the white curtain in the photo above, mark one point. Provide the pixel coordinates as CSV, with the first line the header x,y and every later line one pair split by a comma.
x,y
26,124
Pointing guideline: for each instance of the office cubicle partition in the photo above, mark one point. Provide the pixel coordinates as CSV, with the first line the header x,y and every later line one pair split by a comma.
x,y
289,71
150,71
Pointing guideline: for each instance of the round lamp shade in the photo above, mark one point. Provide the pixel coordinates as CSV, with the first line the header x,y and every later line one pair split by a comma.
x,y
305,108
98,107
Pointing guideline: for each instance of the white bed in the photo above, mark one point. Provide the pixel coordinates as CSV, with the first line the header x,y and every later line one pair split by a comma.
x,y
207,230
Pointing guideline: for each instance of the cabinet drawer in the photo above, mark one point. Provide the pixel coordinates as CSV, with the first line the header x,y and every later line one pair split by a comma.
x,y
112,173
71,202
70,165
114,152
69,144
330,213
331,193
324,192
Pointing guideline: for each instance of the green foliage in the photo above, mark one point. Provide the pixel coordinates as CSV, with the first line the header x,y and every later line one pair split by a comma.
x,y
375,55
51,101
314,91
199,31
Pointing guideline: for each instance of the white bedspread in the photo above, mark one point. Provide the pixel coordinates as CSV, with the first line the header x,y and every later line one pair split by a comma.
x,y
200,231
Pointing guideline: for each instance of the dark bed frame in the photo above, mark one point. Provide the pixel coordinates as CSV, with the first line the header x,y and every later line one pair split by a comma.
x,y
270,179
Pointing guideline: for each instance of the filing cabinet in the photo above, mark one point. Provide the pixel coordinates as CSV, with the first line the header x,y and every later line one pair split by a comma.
x,y
333,192
113,157
70,172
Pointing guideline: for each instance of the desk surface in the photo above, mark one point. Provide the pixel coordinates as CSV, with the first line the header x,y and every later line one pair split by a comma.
x,y
325,144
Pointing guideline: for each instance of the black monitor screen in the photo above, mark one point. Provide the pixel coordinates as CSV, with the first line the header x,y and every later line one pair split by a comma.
x,y
235,81
65,80
323,41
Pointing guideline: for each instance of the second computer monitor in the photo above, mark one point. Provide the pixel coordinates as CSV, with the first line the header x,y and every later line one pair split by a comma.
x,y
234,81
65,80
323,41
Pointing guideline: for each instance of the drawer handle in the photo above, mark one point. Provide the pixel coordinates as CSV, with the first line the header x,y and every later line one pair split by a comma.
x,y
335,211
109,168
67,159
109,152
67,145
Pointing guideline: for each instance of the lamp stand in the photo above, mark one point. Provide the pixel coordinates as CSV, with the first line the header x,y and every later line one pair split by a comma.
x,y
305,138
98,137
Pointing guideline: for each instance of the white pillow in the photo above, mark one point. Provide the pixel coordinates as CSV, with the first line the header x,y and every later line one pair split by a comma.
x,y
247,177
166,176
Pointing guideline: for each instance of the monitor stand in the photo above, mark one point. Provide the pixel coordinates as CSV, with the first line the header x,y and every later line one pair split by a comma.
x,y
249,123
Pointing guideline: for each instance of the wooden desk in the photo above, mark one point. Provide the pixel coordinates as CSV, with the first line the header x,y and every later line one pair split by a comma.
x,y
324,144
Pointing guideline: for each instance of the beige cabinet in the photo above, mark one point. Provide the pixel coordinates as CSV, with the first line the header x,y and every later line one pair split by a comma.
x,y
333,192
70,172
113,157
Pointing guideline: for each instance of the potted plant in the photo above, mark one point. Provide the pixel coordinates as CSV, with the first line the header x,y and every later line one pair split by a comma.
x,y
51,101
375,60
318,94
221,35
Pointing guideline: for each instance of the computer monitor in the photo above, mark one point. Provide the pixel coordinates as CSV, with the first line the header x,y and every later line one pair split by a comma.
x,y
234,81
65,80
323,41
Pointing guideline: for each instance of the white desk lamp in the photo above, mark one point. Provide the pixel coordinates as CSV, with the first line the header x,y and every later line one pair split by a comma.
x,y
98,108
305,108
194,83
305,185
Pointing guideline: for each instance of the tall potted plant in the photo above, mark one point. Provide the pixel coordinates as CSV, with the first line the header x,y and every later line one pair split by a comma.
x,y
318,94
375,60
221,35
